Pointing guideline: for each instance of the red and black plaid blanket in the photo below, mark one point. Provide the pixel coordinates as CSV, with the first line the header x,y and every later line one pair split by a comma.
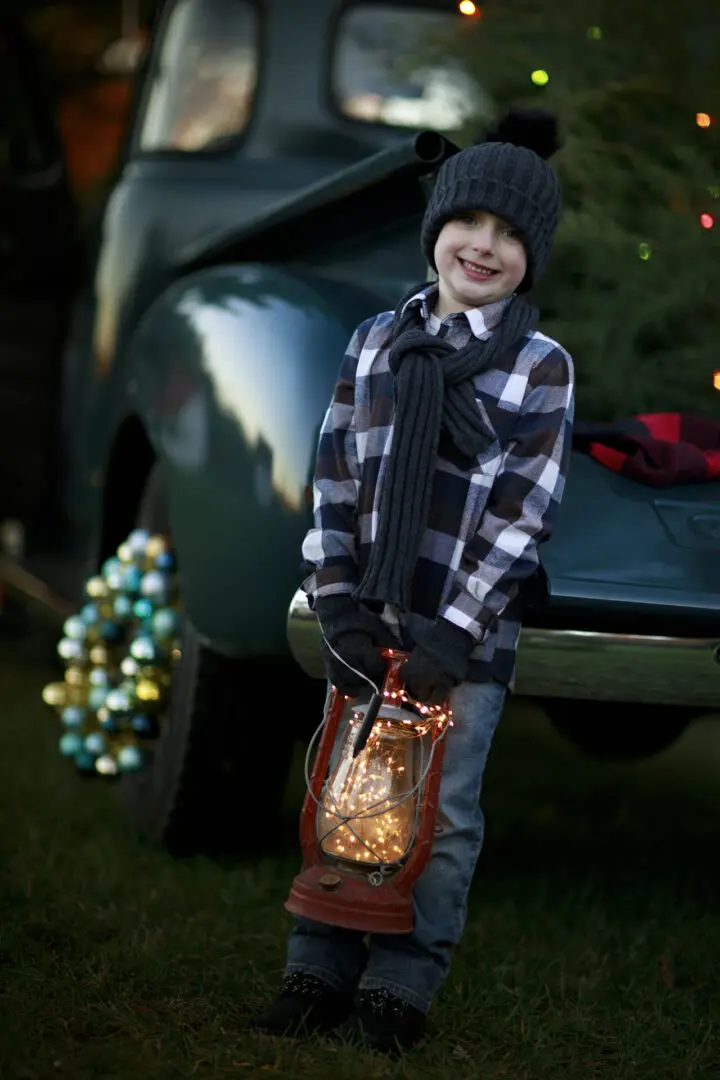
x,y
659,448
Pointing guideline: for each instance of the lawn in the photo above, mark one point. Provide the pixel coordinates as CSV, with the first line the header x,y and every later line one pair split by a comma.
x,y
592,949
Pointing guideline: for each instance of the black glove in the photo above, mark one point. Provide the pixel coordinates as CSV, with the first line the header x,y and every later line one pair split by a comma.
x,y
438,663
357,635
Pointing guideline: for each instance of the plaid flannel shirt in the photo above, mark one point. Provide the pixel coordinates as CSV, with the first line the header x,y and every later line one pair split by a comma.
x,y
485,521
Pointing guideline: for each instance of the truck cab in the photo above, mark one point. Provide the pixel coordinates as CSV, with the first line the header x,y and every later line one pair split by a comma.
x,y
269,198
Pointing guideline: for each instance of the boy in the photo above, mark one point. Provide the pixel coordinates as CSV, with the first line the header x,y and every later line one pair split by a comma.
x,y
440,468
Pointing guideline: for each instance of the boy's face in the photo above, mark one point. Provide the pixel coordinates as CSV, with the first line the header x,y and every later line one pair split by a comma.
x,y
480,259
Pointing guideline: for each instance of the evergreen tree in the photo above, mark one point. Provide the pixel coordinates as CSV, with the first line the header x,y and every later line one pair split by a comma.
x,y
633,288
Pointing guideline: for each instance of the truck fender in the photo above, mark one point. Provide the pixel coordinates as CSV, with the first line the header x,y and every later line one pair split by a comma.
x,y
235,367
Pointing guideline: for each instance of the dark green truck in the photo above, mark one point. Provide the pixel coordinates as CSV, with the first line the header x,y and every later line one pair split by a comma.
x,y
173,372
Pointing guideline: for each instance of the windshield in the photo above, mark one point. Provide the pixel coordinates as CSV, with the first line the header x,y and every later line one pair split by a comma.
x,y
379,74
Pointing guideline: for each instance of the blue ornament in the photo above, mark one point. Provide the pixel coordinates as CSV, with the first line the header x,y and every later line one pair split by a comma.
x,y
156,586
72,716
142,609
145,650
165,561
70,649
145,726
75,628
129,758
99,677
110,566
110,631
131,579
137,541
70,744
85,762
165,623
122,607
95,743
118,700
89,614
96,697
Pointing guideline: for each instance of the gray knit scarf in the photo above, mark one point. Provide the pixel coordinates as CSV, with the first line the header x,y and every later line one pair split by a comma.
x,y
433,390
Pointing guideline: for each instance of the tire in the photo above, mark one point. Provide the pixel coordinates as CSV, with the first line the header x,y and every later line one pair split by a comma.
x,y
617,731
220,764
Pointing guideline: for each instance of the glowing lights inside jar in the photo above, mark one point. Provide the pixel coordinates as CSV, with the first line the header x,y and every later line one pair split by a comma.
x,y
369,807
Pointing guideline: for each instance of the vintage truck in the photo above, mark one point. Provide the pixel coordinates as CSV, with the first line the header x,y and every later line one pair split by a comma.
x,y
172,372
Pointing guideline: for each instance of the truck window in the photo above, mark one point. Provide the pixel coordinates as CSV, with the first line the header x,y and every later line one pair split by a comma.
x,y
379,76
203,83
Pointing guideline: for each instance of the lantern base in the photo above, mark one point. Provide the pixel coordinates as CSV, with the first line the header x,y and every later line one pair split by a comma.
x,y
347,899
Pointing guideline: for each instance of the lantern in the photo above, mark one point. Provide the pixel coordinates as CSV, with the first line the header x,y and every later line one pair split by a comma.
x,y
368,820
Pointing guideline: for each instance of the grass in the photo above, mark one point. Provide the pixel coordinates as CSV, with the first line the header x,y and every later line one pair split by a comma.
x,y
591,949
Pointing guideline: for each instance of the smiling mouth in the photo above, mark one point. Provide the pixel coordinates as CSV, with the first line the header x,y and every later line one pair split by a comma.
x,y
478,270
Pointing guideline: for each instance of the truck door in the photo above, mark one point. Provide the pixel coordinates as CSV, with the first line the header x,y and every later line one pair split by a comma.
x,y
39,267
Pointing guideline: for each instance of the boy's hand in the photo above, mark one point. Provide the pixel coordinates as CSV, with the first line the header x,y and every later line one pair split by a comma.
x,y
357,635
438,663
359,651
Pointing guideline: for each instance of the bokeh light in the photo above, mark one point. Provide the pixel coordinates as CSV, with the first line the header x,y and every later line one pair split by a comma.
x,y
707,221
540,77
703,119
467,7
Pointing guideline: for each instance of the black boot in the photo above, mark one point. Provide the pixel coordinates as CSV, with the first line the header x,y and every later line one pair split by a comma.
x,y
381,1021
306,1005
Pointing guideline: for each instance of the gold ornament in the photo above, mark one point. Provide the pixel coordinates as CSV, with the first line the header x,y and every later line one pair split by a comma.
x,y
106,610
99,655
97,587
125,553
75,676
55,694
156,545
148,690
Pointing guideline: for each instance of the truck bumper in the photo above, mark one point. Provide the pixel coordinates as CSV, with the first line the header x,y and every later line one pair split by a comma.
x,y
577,664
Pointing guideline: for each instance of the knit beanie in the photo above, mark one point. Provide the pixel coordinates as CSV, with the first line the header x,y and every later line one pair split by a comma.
x,y
506,175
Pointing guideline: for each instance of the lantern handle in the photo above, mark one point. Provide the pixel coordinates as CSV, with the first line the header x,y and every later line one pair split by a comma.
x,y
366,727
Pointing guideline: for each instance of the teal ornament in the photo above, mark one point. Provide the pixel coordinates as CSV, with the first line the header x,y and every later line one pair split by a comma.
x,y
122,607
146,727
131,579
70,744
142,609
70,649
72,716
156,586
75,628
99,677
118,700
95,743
110,631
85,762
109,723
129,666
137,541
165,624
116,578
129,758
89,614
145,650
110,566
165,561
96,697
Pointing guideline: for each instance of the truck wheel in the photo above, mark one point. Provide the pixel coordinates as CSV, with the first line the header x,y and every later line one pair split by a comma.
x,y
215,780
612,731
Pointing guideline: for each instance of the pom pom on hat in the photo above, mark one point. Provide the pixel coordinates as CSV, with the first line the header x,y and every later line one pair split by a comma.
x,y
535,129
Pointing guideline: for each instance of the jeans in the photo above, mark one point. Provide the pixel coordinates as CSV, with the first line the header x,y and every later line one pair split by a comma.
x,y
413,966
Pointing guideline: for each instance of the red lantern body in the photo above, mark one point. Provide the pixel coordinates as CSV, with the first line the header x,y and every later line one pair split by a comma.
x,y
350,890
